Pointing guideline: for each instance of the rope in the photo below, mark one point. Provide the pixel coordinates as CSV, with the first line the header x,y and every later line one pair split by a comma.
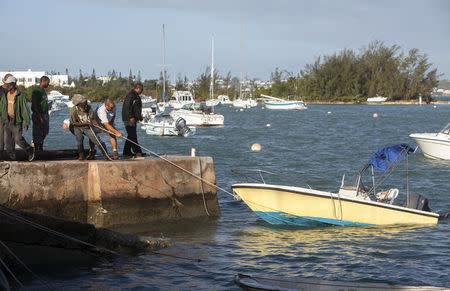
x,y
175,165
43,228
101,146
10,272
201,184
25,266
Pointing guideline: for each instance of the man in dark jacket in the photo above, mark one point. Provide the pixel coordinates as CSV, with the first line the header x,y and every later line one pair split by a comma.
x,y
39,107
131,114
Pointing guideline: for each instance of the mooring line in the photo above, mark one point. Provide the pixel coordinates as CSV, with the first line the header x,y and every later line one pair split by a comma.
x,y
172,163
25,266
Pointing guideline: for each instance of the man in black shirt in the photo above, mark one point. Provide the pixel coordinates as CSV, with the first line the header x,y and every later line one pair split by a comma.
x,y
131,114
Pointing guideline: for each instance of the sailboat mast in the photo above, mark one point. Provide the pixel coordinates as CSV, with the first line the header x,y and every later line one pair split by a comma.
x,y
241,57
211,86
164,63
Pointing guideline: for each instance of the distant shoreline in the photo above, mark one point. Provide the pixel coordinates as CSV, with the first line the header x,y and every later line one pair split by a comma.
x,y
401,102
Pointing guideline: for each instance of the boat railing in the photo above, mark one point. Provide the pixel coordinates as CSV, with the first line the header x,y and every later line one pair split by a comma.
x,y
261,176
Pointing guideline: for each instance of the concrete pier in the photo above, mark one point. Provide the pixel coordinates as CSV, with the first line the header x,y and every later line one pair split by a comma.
x,y
111,193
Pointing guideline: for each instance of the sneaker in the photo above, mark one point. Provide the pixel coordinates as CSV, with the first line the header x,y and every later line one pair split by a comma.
x,y
127,155
115,155
31,155
91,155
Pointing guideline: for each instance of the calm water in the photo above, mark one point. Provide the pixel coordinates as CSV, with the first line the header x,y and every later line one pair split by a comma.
x,y
311,147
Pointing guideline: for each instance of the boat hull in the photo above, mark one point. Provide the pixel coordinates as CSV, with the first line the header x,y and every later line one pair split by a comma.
x,y
297,105
434,146
198,118
284,205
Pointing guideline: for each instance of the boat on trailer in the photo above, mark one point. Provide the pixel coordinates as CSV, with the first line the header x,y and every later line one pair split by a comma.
x,y
353,205
434,145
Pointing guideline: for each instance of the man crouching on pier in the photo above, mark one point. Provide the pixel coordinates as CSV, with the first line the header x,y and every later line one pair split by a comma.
x,y
81,124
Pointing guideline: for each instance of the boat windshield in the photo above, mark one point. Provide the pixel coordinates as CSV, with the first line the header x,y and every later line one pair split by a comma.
x,y
446,129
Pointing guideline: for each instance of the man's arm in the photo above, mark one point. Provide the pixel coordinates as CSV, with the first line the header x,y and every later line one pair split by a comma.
x,y
111,128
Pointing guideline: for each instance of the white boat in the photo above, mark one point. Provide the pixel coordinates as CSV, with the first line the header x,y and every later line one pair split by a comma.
x,y
212,102
195,115
376,99
181,98
147,100
57,96
57,101
434,145
353,205
271,102
165,125
224,100
244,103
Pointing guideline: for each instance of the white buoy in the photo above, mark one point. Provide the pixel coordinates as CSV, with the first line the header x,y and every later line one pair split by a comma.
x,y
262,107
241,109
256,147
268,125
375,115
329,112
434,106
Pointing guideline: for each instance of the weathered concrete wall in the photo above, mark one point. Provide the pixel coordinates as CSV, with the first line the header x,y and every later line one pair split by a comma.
x,y
107,193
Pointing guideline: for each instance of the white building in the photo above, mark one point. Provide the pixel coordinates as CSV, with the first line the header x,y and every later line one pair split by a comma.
x,y
30,78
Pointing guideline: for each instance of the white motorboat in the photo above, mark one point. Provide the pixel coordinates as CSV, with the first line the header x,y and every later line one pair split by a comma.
x,y
195,115
212,102
57,101
164,125
241,103
376,99
57,96
224,100
434,145
277,103
181,98
147,100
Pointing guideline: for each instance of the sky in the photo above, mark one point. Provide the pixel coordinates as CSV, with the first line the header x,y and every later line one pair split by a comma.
x,y
53,35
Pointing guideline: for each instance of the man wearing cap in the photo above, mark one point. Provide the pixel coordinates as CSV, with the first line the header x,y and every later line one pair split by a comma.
x,y
131,114
105,115
81,122
14,113
3,91
39,107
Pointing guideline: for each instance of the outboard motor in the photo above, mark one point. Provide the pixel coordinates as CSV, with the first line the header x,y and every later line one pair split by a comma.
x,y
416,201
181,126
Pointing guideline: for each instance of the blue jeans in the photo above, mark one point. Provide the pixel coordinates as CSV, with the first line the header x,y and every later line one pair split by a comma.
x,y
81,132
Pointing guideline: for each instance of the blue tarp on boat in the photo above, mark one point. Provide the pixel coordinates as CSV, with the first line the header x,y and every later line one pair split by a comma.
x,y
389,154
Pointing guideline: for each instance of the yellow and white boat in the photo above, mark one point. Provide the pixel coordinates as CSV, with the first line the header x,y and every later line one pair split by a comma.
x,y
287,205
351,206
